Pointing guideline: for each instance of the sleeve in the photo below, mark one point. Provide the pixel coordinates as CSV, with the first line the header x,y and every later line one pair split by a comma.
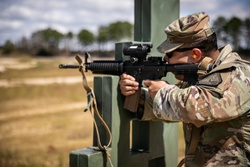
x,y
199,106
145,111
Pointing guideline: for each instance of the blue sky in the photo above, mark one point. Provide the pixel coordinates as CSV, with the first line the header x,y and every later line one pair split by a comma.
x,y
20,18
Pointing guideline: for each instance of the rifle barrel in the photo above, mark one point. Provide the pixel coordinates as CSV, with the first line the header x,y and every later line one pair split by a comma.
x,y
65,66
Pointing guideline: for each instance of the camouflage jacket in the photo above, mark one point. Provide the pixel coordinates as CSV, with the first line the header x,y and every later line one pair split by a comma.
x,y
219,104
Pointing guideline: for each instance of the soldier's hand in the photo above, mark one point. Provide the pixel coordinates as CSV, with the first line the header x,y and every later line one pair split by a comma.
x,y
128,85
154,87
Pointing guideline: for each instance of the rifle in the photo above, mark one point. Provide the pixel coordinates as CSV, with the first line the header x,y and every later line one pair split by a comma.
x,y
140,67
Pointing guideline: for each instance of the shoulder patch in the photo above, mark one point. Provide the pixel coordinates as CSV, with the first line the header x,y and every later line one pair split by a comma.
x,y
211,80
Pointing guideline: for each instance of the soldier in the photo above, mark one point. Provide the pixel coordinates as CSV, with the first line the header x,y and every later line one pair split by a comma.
x,y
215,109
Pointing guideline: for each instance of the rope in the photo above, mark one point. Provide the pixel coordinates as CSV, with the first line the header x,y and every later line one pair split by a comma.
x,y
92,105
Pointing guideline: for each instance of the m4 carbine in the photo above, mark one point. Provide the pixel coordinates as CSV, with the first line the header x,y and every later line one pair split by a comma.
x,y
140,67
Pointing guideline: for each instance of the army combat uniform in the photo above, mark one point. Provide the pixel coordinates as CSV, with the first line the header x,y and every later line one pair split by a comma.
x,y
218,105
215,110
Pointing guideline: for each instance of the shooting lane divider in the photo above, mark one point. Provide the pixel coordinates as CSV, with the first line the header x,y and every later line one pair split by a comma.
x,y
92,105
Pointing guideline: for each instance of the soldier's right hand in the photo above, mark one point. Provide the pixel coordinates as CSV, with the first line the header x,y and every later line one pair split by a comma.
x,y
128,85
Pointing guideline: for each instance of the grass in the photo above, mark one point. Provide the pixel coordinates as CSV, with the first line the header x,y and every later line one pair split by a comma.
x,y
43,139
27,97
40,125
45,67
38,131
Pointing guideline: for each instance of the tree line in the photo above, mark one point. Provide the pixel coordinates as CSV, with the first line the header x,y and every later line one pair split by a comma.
x,y
49,41
234,31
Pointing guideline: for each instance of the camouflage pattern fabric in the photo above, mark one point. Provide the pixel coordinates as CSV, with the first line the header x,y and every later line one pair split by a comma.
x,y
220,108
185,30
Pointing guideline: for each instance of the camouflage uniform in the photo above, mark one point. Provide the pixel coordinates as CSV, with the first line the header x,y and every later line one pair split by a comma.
x,y
218,104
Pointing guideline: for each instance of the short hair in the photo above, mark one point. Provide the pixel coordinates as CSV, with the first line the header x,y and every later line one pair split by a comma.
x,y
206,45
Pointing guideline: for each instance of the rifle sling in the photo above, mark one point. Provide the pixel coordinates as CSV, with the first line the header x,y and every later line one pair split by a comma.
x,y
93,105
191,150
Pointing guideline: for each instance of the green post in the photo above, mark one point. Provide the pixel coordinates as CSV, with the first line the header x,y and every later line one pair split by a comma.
x,y
151,18
135,143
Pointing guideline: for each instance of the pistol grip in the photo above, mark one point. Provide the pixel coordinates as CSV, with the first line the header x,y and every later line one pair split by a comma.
x,y
131,102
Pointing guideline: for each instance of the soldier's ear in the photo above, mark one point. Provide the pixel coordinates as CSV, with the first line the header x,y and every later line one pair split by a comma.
x,y
196,55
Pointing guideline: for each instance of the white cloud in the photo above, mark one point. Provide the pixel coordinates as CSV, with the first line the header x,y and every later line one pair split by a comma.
x,y
215,8
42,5
22,17
13,24
56,16
19,12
